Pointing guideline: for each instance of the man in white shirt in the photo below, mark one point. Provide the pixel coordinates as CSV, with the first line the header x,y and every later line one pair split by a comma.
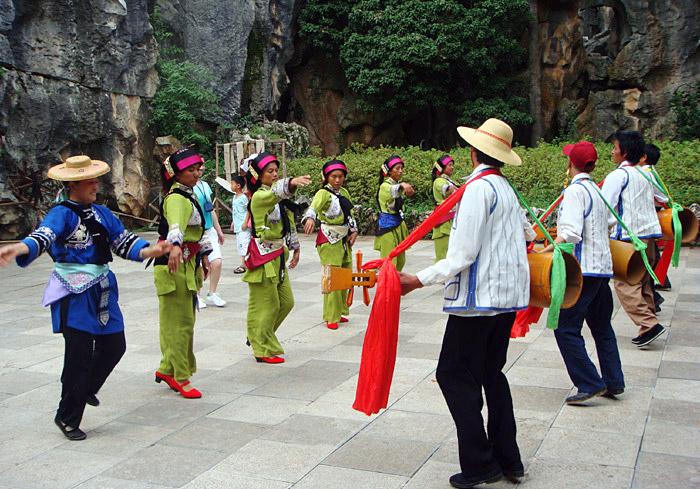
x,y
486,277
628,191
583,221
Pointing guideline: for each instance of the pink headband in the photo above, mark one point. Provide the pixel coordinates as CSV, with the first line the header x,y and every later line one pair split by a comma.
x,y
265,161
336,166
394,162
189,161
446,161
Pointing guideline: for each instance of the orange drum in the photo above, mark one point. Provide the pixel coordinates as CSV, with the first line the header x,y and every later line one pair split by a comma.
x,y
689,224
628,265
540,279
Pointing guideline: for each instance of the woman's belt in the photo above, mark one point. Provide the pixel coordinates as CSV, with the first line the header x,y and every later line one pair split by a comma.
x,y
388,222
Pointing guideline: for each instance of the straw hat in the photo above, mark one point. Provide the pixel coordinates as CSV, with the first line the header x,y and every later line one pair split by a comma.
x,y
77,168
494,138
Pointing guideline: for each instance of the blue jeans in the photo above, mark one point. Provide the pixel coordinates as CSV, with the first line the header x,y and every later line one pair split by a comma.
x,y
595,306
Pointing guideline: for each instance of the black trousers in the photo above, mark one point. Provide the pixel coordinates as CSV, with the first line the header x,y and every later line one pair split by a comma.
x,y
473,354
87,362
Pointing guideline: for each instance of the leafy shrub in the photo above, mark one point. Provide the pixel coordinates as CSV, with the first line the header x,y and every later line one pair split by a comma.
x,y
686,106
540,178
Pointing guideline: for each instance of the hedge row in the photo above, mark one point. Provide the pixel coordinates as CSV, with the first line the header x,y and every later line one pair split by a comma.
x,y
540,178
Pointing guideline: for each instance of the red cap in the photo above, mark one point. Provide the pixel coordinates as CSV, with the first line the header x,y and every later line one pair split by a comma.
x,y
581,154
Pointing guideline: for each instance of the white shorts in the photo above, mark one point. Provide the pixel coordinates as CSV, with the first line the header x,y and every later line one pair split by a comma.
x,y
215,246
242,241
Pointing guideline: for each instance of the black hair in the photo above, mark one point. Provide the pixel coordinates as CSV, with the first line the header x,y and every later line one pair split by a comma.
x,y
179,155
439,161
485,159
386,163
631,144
253,186
239,180
653,153
329,163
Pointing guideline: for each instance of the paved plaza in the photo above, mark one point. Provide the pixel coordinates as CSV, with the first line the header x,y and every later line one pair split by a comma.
x,y
292,425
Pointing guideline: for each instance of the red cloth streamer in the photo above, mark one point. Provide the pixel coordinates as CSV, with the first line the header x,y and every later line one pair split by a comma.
x,y
381,338
661,269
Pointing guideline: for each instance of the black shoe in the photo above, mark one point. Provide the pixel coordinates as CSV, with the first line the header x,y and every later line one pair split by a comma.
x,y
92,400
581,397
636,340
649,336
460,481
73,434
611,393
514,475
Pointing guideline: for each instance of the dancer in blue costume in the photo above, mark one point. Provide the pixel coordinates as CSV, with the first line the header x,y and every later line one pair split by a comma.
x,y
81,236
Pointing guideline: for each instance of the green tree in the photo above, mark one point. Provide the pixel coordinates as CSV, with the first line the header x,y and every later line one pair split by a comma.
x,y
183,99
407,55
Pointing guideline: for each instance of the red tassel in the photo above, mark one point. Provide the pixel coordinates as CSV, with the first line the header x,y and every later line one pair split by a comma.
x,y
523,320
661,269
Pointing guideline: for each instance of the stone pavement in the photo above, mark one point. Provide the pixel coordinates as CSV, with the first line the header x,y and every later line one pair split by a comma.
x,y
263,426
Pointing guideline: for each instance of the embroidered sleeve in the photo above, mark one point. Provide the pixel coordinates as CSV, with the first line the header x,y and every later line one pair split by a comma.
x,y
128,246
177,210
281,189
51,228
309,214
396,190
317,205
292,237
352,224
205,245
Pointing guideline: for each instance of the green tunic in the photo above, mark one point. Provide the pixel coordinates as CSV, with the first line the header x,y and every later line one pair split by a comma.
x,y
326,208
270,297
441,233
388,193
176,291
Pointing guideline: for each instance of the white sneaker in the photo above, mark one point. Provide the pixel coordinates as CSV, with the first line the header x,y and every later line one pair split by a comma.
x,y
200,303
215,299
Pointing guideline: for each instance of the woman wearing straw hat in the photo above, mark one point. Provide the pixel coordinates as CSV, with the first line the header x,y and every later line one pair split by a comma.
x,y
179,275
391,228
487,279
336,235
273,232
81,236
443,186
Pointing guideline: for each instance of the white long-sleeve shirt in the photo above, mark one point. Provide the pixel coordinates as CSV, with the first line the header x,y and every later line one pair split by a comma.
x,y
486,271
583,221
659,196
632,197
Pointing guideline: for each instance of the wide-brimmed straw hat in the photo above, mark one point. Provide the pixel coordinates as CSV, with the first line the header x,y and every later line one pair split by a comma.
x,y
77,168
494,138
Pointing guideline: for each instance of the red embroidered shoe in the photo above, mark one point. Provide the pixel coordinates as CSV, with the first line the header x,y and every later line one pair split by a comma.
x,y
344,320
332,325
272,360
160,377
187,391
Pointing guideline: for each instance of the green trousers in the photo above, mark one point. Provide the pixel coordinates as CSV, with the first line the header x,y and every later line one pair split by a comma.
x,y
177,315
268,304
340,255
385,243
441,247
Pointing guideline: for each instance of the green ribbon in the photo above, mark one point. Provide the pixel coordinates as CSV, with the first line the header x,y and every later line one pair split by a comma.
x,y
639,245
675,209
557,278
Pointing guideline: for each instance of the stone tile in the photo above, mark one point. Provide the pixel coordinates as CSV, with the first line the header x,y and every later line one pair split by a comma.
x,y
678,389
101,482
173,413
680,370
550,474
426,397
57,469
658,471
324,476
434,475
627,414
682,335
259,410
165,465
591,447
537,402
679,412
220,477
539,377
411,426
671,438
220,435
279,461
687,354
386,455
313,430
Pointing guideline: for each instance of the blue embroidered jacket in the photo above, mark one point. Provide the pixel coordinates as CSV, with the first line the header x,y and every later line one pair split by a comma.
x,y
67,240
